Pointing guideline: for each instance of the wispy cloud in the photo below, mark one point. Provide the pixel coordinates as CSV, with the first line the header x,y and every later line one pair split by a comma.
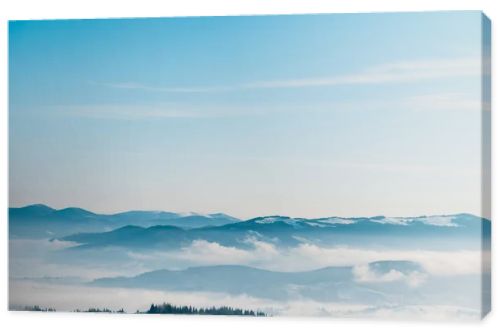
x,y
446,101
160,89
397,72
443,102
143,111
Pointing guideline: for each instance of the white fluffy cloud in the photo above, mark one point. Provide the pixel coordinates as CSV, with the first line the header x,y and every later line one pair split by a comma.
x,y
309,257
363,273
39,258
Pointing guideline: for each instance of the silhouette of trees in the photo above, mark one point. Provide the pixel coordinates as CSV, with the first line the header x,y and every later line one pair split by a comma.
x,y
167,308
37,308
99,310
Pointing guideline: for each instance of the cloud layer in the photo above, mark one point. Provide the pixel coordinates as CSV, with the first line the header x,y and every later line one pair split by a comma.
x,y
40,258
307,256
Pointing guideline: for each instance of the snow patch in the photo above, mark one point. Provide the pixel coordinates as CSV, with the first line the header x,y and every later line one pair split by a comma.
x,y
438,221
336,220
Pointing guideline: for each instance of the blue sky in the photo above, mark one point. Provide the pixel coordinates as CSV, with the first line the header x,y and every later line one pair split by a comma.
x,y
313,115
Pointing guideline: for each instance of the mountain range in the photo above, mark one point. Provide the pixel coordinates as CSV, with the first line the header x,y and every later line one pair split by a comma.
x,y
168,230
287,232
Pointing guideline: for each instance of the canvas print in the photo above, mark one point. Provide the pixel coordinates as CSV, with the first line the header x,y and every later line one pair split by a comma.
x,y
262,166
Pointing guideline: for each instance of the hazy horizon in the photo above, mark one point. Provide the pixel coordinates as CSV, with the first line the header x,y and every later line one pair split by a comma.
x,y
193,212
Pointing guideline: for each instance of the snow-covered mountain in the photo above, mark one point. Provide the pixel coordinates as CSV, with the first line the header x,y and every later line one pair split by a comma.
x,y
435,231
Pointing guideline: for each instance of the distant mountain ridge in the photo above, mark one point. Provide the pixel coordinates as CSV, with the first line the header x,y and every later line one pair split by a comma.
x,y
329,283
42,221
42,210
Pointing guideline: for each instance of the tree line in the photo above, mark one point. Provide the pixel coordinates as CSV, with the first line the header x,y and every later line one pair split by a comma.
x,y
167,308
99,310
37,308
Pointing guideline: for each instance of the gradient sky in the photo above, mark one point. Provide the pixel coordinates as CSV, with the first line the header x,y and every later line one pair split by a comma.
x,y
317,115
